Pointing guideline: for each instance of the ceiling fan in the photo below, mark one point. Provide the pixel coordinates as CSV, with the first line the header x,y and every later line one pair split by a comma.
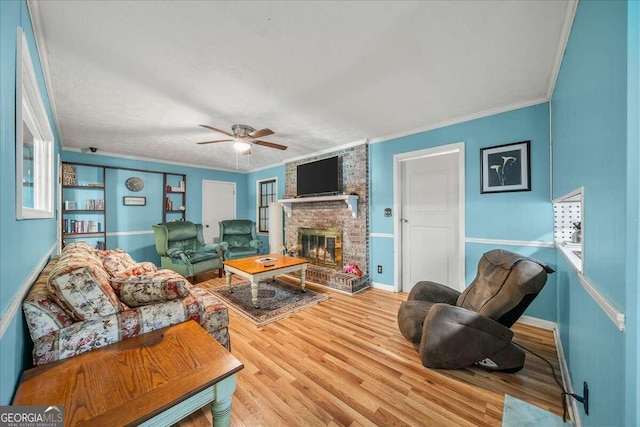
x,y
244,137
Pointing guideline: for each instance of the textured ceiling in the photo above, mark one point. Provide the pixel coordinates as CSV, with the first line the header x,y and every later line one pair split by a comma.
x,y
137,77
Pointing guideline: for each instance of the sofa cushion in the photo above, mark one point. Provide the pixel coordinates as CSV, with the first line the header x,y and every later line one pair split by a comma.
x,y
78,247
235,241
90,334
138,269
149,289
196,256
115,260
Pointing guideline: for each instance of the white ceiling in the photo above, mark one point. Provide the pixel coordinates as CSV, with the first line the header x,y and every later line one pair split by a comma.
x,y
137,77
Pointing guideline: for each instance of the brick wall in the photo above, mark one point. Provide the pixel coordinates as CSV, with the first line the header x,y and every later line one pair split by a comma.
x,y
335,214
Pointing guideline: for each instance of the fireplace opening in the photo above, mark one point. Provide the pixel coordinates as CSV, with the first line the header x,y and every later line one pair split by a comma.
x,y
321,246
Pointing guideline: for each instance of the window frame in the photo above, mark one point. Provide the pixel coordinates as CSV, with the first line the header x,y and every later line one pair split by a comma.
x,y
259,207
31,114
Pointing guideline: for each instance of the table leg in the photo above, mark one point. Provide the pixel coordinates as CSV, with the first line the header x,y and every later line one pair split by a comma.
x,y
254,293
221,405
228,276
303,273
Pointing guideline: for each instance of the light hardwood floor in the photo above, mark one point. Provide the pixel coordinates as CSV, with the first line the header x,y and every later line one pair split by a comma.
x,y
344,362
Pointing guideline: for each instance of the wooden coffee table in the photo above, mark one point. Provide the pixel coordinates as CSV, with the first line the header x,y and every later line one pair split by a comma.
x,y
153,379
260,267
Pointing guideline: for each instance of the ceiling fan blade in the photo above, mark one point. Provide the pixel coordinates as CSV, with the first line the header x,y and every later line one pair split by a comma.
x,y
271,145
217,130
260,133
211,142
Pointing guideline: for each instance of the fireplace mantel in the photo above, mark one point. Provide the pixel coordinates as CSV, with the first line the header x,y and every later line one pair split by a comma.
x,y
350,199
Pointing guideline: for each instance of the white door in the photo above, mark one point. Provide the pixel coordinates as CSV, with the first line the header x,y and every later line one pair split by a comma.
x,y
430,221
218,203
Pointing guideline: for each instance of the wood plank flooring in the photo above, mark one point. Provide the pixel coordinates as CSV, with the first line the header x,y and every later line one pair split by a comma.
x,y
344,363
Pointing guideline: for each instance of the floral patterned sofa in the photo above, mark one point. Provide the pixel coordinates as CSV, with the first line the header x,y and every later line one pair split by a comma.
x,y
86,298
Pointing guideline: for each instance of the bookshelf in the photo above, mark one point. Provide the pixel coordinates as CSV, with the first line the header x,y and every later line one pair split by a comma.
x,y
83,204
175,200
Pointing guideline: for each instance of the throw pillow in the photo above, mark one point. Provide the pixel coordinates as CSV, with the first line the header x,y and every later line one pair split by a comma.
x,y
83,295
138,291
42,314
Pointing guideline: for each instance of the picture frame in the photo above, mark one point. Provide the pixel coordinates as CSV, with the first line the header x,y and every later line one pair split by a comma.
x,y
505,168
134,201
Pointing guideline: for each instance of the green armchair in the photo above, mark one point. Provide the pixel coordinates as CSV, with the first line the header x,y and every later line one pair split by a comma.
x,y
240,237
181,247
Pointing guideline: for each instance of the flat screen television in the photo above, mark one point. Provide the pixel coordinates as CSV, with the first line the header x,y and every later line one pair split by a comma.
x,y
321,177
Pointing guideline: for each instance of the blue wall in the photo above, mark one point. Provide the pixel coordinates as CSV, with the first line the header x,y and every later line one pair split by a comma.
x,y
134,222
592,147
525,216
23,244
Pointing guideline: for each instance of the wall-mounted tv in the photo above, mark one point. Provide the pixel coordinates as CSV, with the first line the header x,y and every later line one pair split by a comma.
x,y
321,177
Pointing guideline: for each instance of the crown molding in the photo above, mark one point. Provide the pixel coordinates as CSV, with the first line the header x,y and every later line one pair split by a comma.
x,y
148,159
33,7
316,153
327,151
461,119
569,16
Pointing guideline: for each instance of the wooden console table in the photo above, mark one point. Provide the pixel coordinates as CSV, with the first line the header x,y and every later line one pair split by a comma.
x,y
153,379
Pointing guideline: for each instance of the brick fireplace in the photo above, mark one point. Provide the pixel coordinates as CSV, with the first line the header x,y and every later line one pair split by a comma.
x,y
333,215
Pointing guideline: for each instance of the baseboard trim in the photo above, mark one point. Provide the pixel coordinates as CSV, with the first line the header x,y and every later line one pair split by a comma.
x,y
382,286
8,315
574,414
539,323
572,405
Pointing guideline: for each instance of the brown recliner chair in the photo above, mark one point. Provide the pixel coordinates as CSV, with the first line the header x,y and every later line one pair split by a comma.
x,y
454,330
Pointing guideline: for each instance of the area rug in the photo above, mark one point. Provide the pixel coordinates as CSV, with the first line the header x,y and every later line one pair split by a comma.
x,y
276,298
517,413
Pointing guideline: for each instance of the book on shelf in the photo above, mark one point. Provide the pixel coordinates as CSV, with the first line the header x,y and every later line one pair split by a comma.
x,y
94,205
69,175
180,189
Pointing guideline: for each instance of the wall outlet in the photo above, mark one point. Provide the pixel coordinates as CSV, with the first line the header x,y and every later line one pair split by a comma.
x,y
379,269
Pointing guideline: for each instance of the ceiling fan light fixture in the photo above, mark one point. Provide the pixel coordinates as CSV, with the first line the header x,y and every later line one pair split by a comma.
x,y
241,145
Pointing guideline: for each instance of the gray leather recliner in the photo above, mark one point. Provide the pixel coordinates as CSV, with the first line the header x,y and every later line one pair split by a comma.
x,y
454,330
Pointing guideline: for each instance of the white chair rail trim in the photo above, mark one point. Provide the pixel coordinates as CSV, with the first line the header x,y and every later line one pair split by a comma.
x,y
7,316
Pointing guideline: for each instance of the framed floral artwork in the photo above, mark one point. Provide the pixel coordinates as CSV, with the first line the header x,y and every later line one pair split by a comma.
x,y
505,168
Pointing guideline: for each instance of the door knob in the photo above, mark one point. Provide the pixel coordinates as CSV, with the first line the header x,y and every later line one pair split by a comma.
x,y
404,220
206,226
